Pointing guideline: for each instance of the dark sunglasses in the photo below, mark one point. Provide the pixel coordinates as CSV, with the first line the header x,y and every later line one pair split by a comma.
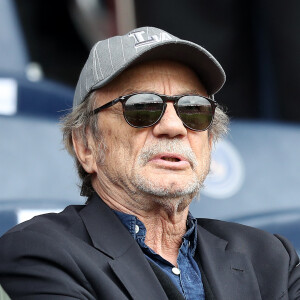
x,y
146,109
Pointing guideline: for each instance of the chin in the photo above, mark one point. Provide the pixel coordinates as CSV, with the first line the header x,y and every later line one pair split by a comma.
x,y
171,189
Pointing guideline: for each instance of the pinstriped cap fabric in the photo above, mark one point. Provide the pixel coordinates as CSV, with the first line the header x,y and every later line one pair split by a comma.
x,y
108,58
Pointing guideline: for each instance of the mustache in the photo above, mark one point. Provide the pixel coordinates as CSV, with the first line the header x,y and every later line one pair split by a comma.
x,y
175,146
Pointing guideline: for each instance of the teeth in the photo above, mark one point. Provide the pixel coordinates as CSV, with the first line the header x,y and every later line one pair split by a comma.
x,y
170,159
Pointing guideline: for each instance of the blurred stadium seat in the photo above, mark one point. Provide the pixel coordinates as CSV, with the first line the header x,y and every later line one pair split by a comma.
x,y
13,52
256,169
41,99
36,175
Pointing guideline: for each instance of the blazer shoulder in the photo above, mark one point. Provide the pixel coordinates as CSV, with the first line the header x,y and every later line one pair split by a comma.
x,y
226,229
247,239
48,249
51,224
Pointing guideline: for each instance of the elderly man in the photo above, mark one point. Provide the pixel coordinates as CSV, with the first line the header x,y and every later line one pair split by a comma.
x,y
141,131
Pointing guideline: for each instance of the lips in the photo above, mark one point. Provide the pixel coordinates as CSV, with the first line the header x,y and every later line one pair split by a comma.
x,y
170,161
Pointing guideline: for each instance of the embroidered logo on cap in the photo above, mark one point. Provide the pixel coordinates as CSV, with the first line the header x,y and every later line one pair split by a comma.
x,y
140,41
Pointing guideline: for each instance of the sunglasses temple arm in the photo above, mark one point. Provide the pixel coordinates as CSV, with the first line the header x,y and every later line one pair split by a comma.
x,y
107,105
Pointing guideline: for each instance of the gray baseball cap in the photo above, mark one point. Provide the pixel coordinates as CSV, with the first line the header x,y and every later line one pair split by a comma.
x,y
110,57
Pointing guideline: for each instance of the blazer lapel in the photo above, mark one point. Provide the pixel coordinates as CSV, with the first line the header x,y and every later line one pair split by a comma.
x,y
137,276
168,286
109,236
230,274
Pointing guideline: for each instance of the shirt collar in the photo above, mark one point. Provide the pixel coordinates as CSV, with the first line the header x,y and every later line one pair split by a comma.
x,y
138,230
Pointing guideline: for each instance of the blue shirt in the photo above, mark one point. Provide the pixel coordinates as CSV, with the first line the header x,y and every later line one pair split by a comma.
x,y
187,277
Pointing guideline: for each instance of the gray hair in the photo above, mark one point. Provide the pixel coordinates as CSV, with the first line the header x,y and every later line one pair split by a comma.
x,y
76,124
81,118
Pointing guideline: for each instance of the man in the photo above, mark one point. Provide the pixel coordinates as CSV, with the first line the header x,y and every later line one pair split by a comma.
x,y
142,128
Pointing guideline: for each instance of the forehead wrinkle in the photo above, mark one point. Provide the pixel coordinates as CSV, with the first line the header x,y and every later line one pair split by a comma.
x,y
167,83
167,80
129,91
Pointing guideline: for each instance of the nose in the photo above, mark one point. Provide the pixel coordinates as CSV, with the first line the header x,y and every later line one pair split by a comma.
x,y
170,124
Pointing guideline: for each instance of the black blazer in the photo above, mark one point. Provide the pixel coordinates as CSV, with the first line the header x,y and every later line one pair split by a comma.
x,y
86,253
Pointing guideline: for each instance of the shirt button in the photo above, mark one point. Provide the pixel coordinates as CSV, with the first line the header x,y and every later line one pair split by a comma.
x,y
137,228
175,271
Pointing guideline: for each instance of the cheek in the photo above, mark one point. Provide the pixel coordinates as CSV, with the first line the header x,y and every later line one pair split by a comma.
x,y
201,146
123,142
198,139
120,146
203,151
108,133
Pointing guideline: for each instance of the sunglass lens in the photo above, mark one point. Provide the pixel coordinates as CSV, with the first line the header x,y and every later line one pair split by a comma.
x,y
195,112
143,110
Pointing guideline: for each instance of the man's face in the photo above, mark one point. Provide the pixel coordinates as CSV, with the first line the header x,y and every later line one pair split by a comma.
x,y
151,165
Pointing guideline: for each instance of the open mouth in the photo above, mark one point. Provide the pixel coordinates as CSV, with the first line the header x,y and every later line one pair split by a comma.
x,y
171,159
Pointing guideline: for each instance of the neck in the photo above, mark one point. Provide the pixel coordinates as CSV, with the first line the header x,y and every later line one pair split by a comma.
x,y
165,232
164,219
165,228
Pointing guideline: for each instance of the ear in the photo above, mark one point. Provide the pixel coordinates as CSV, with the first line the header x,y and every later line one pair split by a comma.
x,y
85,151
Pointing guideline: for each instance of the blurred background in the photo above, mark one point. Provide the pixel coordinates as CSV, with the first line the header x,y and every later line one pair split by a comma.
x,y
254,176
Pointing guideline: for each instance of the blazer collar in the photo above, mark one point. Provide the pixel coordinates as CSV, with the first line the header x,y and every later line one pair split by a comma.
x,y
105,229
230,274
